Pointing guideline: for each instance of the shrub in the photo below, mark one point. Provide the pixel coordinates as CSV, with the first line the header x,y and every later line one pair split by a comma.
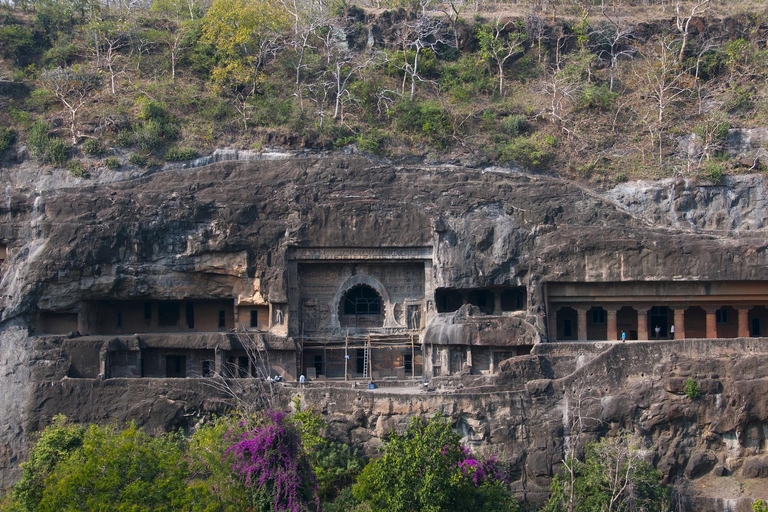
x,y
112,163
272,463
137,159
427,119
534,152
597,96
118,470
713,171
156,128
44,148
38,139
371,142
7,138
515,125
93,147
125,139
692,390
759,506
620,178
76,169
428,469
180,154
16,42
58,152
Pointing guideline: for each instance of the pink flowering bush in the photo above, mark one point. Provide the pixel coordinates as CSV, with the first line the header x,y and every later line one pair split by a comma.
x,y
274,467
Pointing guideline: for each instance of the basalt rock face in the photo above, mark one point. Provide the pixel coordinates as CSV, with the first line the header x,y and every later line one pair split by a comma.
x,y
209,232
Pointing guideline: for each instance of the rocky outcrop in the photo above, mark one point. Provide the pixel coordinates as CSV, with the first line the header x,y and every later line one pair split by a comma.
x,y
223,229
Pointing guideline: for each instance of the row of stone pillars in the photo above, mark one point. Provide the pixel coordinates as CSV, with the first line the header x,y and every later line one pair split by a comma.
x,y
642,321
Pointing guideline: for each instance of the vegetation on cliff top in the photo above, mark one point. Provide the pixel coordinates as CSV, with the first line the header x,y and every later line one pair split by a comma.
x,y
599,90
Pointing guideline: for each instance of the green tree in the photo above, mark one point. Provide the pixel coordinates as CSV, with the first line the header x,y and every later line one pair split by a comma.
x,y
118,470
335,464
615,476
56,443
427,470
244,33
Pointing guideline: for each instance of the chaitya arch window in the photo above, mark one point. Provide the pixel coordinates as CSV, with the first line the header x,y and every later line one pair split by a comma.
x,y
361,300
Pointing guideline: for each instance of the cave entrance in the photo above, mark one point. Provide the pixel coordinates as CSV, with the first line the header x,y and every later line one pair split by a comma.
x,y
361,306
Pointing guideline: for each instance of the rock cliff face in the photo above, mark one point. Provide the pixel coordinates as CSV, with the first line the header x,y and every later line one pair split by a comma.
x,y
212,231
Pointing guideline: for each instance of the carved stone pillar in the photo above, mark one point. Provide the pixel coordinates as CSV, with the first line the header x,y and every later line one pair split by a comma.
x,y
679,322
552,323
711,321
743,321
496,302
642,323
581,324
611,329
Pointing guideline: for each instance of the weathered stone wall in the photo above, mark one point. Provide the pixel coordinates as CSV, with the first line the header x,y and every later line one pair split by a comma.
x,y
213,232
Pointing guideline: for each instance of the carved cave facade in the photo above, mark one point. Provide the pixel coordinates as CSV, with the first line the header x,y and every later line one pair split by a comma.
x,y
375,314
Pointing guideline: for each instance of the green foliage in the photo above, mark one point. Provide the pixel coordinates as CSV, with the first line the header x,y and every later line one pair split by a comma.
x,y
45,148
692,390
112,163
372,142
137,159
7,138
714,129
56,443
58,152
596,97
76,169
427,119
759,506
420,471
735,51
17,42
713,171
466,78
615,471
515,125
534,152
124,139
336,465
739,100
156,126
93,147
118,470
180,154
215,486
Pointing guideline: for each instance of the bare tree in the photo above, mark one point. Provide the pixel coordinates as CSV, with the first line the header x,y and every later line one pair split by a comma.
x,y
561,84
499,44
576,420
109,37
73,86
249,389
452,10
683,22
536,27
414,38
613,37
306,19
664,82
177,42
